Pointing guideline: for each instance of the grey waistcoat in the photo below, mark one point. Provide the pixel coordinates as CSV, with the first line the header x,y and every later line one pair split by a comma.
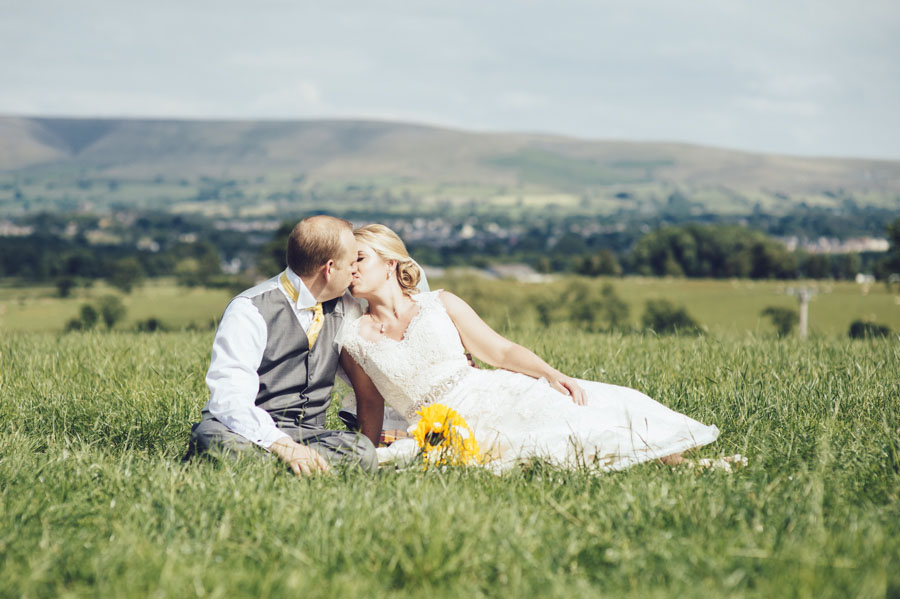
x,y
295,383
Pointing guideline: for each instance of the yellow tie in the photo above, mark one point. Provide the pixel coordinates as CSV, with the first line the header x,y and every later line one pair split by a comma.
x,y
318,316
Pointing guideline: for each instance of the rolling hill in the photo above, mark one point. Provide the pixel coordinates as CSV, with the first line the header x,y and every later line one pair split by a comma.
x,y
47,160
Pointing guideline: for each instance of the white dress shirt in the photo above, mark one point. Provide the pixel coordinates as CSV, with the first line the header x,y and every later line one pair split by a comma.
x,y
236,354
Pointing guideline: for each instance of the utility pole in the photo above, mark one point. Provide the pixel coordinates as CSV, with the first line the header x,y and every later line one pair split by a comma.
x,y
804,294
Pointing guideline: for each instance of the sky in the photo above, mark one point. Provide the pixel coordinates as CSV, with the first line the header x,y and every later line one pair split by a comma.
x,y
799,77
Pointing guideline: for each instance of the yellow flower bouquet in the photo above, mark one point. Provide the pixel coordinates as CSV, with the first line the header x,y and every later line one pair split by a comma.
x,y
444,438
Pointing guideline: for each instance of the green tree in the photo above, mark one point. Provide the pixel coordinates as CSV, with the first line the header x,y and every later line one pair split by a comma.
x,y
665,318
89,316
195,263
112,310
588,310
816,266
603,262
862,329
64,286
272,257
771,260
845,266
784,319
74,324
890,265
583,307
712,251
614,311
151,325
126,273
86,320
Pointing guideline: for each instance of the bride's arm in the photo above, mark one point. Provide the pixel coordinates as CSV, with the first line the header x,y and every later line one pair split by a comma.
x,y
369,403
498,351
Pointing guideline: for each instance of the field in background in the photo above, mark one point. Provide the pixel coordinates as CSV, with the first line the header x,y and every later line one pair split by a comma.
x,y
39,309
95,503
724,307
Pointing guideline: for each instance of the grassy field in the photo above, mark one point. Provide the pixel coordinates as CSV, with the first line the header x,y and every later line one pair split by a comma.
x,y
724,307
94,501
38,308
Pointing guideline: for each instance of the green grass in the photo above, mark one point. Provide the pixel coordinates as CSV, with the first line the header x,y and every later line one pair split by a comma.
x,y
37,308
540,167
95,503
722,306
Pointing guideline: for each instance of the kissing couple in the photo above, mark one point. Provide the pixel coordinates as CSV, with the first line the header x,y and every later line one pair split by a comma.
x,y
280,345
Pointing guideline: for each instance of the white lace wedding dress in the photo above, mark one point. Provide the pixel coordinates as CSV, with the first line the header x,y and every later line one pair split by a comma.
x,y
513,416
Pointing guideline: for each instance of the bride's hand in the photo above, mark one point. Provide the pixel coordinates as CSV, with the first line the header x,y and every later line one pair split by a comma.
x,y
567,386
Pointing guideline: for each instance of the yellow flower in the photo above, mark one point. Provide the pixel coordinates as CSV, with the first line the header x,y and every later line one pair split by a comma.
x,y
444,437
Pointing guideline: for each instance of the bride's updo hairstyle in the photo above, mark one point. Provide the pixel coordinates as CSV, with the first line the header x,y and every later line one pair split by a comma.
x,y
389,246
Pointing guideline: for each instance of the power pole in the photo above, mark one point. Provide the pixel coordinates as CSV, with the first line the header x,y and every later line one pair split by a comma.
x,y
804,294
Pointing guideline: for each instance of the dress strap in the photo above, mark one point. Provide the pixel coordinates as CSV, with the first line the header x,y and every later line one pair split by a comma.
x,y
431,299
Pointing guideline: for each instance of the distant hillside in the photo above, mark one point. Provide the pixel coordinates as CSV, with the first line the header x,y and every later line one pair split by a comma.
x,y
47,160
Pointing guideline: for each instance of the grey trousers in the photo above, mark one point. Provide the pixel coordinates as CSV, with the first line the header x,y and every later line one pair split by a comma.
x,y
209,436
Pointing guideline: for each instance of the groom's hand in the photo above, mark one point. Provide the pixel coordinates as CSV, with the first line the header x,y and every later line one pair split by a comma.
x,y
303,460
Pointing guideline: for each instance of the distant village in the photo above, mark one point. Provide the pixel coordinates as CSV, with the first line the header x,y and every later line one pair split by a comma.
x,y
527,251
434,231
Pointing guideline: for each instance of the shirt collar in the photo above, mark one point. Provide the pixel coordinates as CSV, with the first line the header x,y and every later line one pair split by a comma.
x,y
305,299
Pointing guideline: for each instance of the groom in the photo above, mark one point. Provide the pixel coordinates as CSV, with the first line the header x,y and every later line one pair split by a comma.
x,y
274,360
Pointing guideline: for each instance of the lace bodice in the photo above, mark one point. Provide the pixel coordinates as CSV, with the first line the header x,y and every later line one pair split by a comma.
x,y
419,369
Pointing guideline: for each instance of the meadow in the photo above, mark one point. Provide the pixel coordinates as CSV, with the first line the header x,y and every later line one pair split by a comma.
x,y
723,307
94,501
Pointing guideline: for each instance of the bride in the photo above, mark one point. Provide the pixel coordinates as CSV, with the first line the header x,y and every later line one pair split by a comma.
x,y
412,347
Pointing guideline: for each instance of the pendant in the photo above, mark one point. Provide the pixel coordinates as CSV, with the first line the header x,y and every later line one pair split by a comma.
x,y
382,328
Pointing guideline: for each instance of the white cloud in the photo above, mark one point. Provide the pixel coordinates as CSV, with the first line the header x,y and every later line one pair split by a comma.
x,y
811,76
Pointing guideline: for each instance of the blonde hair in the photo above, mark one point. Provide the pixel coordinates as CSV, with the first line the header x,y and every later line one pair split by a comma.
x,y
389,246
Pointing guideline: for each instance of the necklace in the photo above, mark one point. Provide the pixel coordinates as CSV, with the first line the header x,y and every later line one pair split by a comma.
x,y
381,324
381,328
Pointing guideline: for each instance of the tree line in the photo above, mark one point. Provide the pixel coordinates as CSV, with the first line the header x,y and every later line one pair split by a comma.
x,y
690,250
71,262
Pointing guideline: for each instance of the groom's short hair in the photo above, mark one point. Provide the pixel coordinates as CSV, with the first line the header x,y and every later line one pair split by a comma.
x,y
314,241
